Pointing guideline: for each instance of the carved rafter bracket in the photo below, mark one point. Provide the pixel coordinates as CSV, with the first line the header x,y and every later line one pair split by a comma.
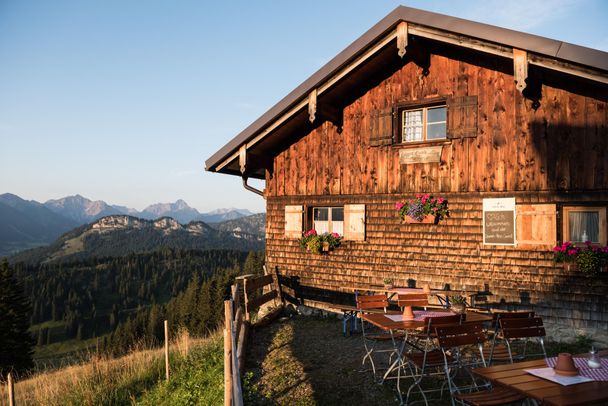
x,y
250,163
312,105
243,159
520,68
324,111
402,39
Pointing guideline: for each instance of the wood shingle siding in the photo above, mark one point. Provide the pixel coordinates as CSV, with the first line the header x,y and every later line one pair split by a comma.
x,y
447,253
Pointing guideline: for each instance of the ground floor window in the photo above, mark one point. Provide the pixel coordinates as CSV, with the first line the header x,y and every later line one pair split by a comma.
x,y
581,224
328,219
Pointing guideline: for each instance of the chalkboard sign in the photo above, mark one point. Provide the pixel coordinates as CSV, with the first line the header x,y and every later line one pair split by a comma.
x,y
499,221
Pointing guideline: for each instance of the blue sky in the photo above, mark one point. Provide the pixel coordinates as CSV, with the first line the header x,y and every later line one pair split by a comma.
x,y
124,100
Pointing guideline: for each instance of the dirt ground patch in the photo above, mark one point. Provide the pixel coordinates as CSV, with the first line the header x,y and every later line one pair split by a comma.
x,y
307,361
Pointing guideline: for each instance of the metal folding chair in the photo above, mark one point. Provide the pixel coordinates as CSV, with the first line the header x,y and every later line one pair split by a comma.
x,y
498,351
413,300
371,338
523,329
456,343
426,359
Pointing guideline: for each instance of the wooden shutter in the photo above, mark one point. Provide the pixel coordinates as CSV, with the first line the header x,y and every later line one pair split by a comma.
x,y
354,222
293,221
462,117
536,225
381,127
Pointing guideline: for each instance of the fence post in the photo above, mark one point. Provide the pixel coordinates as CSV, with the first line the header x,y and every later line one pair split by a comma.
x,y
278,284
166,350
246,296
227,355
11,390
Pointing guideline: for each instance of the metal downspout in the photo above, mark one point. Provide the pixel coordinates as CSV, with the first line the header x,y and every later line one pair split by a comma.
x,y
251,188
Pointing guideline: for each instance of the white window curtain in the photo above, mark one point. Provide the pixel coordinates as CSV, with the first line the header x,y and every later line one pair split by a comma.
x,y
584,226
337,227
412,125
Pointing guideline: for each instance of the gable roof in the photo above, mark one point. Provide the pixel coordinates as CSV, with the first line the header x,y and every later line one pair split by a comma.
x,y
548,53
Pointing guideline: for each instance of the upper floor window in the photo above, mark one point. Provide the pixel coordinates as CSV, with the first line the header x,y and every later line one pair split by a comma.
x,y
424,124
582,224
328,219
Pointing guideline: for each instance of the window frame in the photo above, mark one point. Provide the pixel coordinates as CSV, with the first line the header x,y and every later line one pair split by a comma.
x,y
401,108
602,232
329,217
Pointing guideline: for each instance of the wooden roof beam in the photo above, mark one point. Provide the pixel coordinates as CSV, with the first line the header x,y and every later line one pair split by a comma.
x,y
507,52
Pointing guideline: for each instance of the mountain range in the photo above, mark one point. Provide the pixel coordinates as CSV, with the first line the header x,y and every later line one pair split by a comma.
x,y
25,224
119,235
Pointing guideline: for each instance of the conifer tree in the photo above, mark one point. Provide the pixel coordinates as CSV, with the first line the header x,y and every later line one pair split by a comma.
x,y
15,340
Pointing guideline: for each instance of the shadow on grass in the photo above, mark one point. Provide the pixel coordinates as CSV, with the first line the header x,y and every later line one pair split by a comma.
x,y
307,361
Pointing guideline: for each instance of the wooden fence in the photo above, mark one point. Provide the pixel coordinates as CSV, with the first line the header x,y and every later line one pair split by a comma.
x,y
237,314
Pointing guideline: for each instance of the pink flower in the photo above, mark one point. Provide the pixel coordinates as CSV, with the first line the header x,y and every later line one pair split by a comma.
x,y
399,205
440,200
423,199
335,235
571,252
311,232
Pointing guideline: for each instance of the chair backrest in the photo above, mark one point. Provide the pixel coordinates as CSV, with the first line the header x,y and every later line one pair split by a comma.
x,y
460,335
510,315
522,328
367,302
432,322
413,299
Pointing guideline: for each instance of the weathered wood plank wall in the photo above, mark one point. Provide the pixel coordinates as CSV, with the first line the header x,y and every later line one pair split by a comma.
x,y
560,146
557,153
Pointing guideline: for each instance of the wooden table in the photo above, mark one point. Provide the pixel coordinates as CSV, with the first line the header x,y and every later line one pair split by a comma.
x,y
544,391
385,323
380,320
442,295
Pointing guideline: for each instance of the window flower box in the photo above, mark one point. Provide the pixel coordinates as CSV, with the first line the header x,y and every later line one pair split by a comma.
x,y
424,209
428,219
589,259
320,243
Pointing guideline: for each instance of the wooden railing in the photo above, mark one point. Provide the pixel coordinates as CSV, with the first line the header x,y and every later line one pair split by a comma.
x,y
237,321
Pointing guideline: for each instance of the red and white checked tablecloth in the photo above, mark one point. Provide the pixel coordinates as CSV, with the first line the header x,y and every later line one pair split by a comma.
x,y
598,374
420,315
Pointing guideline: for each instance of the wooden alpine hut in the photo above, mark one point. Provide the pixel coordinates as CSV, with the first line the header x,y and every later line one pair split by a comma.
x,y
506,131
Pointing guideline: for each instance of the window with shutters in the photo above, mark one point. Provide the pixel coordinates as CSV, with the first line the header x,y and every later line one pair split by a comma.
x,y
328,220
347,220
582,223
423,124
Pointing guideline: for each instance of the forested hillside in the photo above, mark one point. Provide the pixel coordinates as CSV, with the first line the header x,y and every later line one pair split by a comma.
x,y
130,295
